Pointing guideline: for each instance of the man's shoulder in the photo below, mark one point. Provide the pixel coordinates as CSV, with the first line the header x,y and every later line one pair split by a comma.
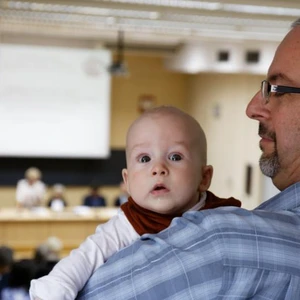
x,y
204,243
22,182
239,218
40,184
232,225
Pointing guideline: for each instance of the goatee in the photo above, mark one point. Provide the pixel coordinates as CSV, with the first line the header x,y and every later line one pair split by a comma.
x,y
269,164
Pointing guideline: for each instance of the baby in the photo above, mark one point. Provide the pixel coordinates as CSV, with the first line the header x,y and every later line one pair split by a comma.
x,y
166,176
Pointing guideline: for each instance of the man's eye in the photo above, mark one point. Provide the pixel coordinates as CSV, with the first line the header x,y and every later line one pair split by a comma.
x,y
277,94
175,157
144,159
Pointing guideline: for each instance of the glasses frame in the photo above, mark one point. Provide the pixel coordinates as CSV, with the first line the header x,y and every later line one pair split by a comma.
x,y
267,88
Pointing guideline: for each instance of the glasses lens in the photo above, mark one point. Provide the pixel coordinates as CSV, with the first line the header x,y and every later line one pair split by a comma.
x,y
265,90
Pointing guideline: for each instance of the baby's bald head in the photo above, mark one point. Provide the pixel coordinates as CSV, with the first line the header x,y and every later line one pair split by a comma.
x,y
172,115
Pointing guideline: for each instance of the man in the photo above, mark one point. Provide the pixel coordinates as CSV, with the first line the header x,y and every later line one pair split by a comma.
x,y
31,190
94,199
229,253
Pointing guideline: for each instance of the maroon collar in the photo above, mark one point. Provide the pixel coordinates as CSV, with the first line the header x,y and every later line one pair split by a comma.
x,y
146,221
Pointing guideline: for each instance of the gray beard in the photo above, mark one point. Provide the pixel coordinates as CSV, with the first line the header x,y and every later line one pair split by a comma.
x,y
269,165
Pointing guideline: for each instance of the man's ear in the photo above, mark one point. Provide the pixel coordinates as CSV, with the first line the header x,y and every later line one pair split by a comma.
x,y
125,178
207,173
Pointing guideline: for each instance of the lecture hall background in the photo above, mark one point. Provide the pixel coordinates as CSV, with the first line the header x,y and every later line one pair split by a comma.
x,y
217,98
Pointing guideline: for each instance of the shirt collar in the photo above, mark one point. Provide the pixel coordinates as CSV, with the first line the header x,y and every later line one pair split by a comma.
x,y
288,199
201,202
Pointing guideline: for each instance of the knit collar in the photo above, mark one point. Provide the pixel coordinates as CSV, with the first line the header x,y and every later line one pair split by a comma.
x,y
146,221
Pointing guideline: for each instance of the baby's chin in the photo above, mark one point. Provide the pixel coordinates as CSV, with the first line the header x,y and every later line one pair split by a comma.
x,y
161,206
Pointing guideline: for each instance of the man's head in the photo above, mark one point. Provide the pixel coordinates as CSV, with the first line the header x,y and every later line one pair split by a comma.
x,y
94,190
58,190
278,114
33,174
166,161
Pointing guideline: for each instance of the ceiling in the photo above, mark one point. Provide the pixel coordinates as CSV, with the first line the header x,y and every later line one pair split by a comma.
x,y
147,24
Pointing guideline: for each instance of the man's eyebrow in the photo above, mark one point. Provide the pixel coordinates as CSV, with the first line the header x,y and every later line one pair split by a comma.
x,y
277,76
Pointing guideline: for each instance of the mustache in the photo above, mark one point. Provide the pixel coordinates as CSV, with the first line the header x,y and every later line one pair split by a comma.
x,y
263,131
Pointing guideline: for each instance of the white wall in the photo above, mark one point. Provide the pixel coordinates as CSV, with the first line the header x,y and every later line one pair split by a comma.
x,y
218,102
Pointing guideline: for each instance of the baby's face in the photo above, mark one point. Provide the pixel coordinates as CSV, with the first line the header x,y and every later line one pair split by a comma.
x,y
164,167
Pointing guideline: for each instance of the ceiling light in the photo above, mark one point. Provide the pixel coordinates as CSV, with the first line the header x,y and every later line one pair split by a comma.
x,y
267,10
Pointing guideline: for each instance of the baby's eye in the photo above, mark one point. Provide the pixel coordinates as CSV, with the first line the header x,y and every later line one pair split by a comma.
x,y
144,159
175,157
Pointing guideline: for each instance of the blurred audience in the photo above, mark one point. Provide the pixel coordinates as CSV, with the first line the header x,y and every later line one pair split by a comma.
x,y
123,197
31,190
15,276
47,255
94,199
57,201
6,262
22,272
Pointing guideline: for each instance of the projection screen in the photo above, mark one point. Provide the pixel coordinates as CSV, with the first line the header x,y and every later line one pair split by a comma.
x,y
54,102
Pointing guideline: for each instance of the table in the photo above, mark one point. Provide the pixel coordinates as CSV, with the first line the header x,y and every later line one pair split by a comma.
x,y
24,229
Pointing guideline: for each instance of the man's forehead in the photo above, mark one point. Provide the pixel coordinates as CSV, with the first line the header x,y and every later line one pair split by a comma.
x,y
285,67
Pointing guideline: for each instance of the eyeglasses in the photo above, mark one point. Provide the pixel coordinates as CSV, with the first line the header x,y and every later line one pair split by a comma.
x,y
267,89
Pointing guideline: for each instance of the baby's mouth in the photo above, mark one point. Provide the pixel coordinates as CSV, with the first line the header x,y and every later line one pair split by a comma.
x,y
159,189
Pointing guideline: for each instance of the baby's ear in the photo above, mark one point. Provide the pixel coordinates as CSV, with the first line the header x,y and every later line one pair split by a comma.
x,y
207,173
125,177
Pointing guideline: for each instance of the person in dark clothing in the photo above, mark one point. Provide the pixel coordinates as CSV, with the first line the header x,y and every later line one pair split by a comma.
x,y
22,272
94,199
6,261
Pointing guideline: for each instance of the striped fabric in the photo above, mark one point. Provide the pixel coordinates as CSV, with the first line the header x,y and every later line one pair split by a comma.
x,y
224,253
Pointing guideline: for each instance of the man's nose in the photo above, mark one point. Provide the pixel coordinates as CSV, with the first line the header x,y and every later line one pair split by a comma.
x,y
256,108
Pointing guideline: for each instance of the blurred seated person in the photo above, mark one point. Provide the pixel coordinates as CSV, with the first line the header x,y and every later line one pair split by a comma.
x,y
31,190
123,197
47,255
94,199
21,274
57,202
6,261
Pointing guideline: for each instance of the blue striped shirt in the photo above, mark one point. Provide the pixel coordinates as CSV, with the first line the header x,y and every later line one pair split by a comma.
x,y
223,253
